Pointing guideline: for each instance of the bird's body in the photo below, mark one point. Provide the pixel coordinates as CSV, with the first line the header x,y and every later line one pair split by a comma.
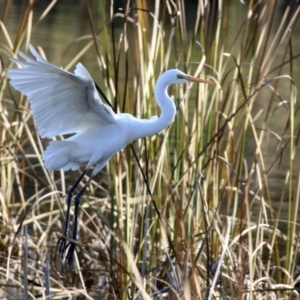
x,y
65,103
84,148
92,147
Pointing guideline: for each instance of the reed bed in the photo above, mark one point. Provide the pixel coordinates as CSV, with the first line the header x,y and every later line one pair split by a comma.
x,y
207,209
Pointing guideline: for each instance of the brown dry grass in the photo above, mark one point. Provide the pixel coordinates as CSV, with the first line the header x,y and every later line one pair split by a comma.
x,y
210,173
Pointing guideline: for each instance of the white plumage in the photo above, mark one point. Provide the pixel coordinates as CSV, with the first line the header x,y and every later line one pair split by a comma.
x,y
67,103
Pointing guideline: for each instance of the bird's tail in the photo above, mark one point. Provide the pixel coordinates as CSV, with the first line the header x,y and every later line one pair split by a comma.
x,y
56,156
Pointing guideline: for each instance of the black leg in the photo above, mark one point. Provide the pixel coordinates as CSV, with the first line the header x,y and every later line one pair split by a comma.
x,y
61,243
71,245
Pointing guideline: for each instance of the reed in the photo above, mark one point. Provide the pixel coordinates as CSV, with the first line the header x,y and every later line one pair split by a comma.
x,y
207,219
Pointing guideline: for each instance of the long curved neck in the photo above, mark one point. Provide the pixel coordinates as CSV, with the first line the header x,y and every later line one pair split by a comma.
x,y
168,110
166,105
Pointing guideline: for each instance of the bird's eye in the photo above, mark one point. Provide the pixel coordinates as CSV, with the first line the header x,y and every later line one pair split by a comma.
x,y
179,76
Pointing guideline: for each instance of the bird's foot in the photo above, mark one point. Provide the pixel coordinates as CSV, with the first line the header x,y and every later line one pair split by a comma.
x,y
62,245
70,252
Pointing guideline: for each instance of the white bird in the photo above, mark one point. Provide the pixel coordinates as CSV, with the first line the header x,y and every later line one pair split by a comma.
x,y
68,103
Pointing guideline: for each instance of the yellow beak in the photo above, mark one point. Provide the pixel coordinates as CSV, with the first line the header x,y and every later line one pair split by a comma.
x,y
195,79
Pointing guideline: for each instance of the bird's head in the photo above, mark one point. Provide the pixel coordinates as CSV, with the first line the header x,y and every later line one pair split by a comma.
x,y
174,76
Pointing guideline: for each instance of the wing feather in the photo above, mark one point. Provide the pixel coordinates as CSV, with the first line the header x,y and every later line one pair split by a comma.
x,y
62,102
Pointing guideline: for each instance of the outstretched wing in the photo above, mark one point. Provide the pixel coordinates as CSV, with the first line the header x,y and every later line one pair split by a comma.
x,y
62,102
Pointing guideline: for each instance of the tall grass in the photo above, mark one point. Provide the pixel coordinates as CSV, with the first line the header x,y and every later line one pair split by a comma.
x,y
209,224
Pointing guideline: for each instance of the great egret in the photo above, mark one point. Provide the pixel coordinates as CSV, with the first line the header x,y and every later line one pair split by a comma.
x,y
67,103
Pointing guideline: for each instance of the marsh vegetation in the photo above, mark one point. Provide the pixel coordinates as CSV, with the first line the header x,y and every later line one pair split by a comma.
x,y
215,215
